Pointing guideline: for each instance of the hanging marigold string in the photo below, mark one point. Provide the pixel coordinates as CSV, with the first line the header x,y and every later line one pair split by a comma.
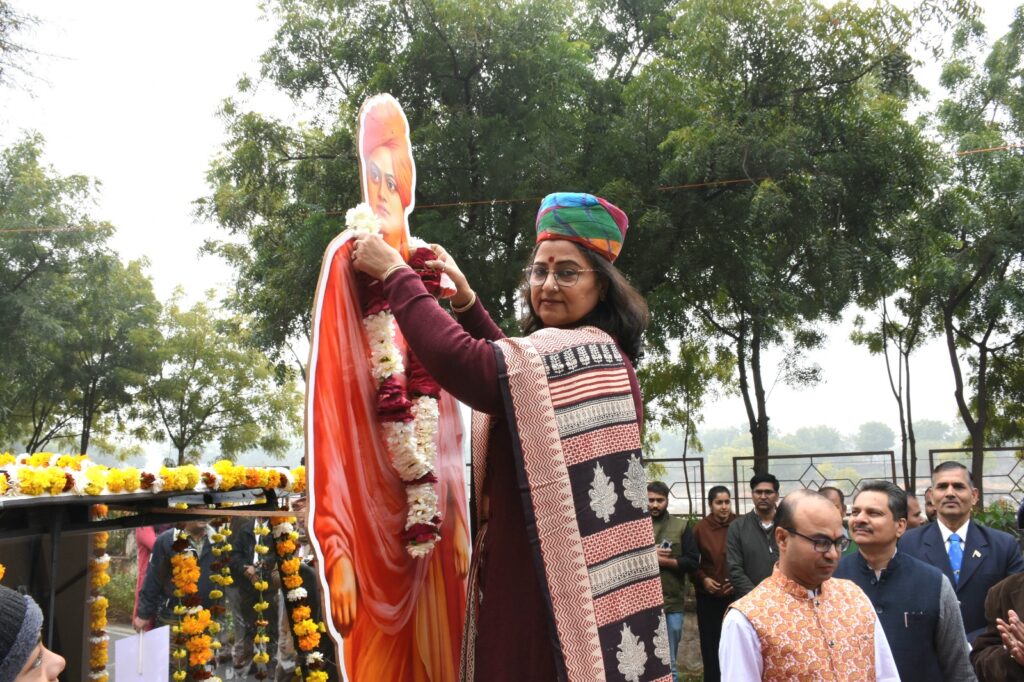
x,y
191,638
99,563
306,631
261,640
221,548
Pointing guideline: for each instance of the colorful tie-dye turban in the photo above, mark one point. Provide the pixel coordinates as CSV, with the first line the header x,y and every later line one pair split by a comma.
x,y
585,219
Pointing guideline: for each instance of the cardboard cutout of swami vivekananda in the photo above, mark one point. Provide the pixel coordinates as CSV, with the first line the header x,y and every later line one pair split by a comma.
x,y
387,508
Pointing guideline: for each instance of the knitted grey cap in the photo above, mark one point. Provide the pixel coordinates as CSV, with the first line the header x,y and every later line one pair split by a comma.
x,y
20,624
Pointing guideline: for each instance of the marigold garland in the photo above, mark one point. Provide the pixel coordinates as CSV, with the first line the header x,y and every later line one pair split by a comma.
x,y
99,563
191,642
407,412
261,656
307,632
45,473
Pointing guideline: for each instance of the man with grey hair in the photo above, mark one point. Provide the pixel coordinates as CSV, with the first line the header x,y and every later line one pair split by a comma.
x,y
974,557
915,603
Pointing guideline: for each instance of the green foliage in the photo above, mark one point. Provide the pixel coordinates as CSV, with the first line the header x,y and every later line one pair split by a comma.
x,y
120,592
970,237
214,386
1001,515
79,329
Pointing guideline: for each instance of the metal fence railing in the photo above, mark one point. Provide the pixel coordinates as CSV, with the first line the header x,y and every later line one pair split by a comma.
x,y
843,470
687,488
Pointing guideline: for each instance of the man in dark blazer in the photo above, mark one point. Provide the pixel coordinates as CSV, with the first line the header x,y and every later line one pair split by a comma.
x,y
985,555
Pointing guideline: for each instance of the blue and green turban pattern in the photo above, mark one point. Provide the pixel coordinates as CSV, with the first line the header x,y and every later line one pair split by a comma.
x,y
585,219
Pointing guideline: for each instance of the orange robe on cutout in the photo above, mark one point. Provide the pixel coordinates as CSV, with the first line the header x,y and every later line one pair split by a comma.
x,y
410,611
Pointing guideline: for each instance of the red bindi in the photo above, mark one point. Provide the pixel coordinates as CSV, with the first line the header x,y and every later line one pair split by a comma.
x,y
551,259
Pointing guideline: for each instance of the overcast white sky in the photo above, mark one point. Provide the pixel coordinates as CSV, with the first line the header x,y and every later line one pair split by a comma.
x,y
127,92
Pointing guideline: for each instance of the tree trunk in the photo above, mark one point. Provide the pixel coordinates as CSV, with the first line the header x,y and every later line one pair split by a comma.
x,y
760,430
974,428
911,441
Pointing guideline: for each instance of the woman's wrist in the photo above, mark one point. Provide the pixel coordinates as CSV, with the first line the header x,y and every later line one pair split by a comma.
x,y
461,304
392,270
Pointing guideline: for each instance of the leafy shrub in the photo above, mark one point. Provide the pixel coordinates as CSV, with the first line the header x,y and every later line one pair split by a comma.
x,y
120,591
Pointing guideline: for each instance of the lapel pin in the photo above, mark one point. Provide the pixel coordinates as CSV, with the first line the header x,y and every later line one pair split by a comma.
x,y
977,554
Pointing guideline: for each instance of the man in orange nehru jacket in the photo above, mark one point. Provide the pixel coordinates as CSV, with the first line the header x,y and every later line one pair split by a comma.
x,y
800,623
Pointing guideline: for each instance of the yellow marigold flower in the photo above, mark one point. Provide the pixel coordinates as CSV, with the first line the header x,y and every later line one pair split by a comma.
x,y
261,657
260,607
7,458
180,653
197,624
40,459
261,549
216,594
316,676
261,585
214,627
299,479
179,675
99,579
96,479
303,628
3,484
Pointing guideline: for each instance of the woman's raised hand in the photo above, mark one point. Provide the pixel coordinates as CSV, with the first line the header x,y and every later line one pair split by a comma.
x,y
447,264
372,255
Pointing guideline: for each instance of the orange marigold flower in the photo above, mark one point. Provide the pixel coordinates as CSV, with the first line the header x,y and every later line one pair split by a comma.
x,y
309,642
301,613
292,581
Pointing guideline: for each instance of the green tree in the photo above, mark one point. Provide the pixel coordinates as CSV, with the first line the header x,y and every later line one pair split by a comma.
x,y
495,95
112,338
974,226
214,387
45,235
874,436
805,105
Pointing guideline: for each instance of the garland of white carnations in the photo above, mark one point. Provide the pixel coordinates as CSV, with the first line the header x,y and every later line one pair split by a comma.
x,y
409,431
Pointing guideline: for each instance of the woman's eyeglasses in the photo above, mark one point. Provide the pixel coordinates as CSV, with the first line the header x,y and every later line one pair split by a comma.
x,y
537,275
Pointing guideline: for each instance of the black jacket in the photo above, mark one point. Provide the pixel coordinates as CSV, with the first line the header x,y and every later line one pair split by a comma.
x,y
157,595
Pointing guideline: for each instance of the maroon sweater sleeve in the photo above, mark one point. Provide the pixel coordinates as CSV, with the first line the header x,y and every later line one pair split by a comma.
x,y
477,321
463,365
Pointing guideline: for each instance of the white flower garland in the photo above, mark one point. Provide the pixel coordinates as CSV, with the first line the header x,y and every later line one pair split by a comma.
x,y
410,444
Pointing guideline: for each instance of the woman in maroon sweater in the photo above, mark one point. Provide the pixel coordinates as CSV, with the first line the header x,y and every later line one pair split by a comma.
x,y
570,283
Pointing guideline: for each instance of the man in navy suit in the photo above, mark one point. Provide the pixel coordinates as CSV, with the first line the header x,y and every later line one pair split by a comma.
x,y
972,556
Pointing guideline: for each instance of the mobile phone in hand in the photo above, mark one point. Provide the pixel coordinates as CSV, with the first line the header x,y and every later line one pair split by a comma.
x,y
665,544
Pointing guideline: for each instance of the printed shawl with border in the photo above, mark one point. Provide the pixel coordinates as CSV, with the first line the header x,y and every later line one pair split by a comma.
x,y
576,443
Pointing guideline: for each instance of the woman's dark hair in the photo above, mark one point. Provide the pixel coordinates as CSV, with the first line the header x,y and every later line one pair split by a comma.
x,y
621,312
716,491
